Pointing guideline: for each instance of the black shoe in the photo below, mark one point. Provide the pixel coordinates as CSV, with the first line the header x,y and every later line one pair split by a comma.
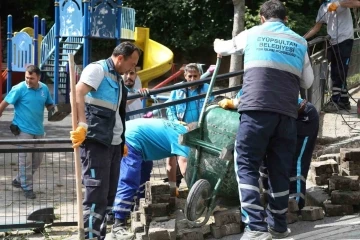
x,y
29,194
110,218
16,184
345,106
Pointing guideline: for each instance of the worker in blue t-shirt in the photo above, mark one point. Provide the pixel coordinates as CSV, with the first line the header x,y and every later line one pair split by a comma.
x,y
147,140
29,98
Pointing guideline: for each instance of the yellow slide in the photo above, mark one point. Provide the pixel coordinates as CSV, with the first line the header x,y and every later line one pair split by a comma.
x,y
157,59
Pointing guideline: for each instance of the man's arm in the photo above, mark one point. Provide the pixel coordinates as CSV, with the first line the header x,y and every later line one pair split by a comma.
x,y
314,30
235,45
350,3
307,77
81,90
3,105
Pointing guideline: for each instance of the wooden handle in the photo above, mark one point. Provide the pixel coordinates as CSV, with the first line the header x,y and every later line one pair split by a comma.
x,y
81,233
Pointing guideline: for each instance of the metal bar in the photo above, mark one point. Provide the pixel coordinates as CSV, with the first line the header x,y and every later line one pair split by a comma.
x,y
43,27
9,53
86,31
220,77
57,49
118,22
203,144
35,141
36,40
167,104
169,79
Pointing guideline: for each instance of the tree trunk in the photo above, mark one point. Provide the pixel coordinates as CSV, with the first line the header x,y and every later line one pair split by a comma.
x,y
236,61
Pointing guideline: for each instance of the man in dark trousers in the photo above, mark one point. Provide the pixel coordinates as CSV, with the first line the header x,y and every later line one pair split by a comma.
x,y
101,102
276,64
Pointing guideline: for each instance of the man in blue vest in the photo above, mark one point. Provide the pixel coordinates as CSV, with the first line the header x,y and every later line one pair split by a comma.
x,y
100,132
276,64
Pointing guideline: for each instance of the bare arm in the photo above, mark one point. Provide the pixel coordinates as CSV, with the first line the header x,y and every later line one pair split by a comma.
x,y
3,105
314,30
81,90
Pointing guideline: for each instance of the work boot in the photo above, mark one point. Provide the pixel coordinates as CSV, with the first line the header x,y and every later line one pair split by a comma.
x,y
344,105
331,107
16,184
110,219
279,235
255,235
29,194
120,231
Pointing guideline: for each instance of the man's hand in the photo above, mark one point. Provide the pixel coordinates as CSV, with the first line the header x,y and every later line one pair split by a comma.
x,y
144,92
182,123
333,6
226,104
78,136
211,68
125,151
148,115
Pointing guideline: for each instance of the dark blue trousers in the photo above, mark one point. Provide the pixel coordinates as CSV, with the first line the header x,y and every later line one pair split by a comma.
x,y
100,174
263,134
307,126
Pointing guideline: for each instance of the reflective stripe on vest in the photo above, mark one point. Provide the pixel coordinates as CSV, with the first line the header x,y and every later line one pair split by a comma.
x,y
100,103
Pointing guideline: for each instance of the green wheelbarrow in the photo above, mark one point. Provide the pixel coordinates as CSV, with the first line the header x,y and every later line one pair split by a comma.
x,y
210,171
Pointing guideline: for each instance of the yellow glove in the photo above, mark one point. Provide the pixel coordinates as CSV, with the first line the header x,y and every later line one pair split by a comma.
x,y
78,136
333,6
226,104
125,153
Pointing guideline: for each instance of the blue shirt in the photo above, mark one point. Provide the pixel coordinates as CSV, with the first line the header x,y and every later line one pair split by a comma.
x,y
29,107
155,138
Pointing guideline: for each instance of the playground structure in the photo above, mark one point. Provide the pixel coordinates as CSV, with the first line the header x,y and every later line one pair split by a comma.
x,y
76,24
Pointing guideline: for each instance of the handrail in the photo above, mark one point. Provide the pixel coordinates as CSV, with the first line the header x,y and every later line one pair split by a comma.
x,y
47,45
318,40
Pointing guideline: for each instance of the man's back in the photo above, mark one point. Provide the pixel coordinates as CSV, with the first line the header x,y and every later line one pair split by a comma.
x,y
155,138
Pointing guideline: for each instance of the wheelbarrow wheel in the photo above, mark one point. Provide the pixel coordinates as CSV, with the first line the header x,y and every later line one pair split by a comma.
x,y
197,200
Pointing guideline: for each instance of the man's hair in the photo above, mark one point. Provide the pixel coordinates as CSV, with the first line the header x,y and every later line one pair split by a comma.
x,y
126,49
273,9
192,67
33,69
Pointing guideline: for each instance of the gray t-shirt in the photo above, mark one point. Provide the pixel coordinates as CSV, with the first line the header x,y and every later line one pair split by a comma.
x,y
339,23
92,75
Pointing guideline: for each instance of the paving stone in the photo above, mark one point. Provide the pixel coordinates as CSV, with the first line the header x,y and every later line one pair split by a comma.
x,y
172,203
312,213
162,230
155,209
335,156
157,187
349,154
227,216
321,179
225,230
315,196
190,234
135,216
291,217
337,209
345,197
141,236
137,227
347,172
164,198
183,192
293,206
344,183
324,167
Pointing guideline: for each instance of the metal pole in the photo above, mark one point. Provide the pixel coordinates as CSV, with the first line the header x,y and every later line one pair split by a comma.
x,y
9,53
36,38
57,48
118,22
43,33
86,34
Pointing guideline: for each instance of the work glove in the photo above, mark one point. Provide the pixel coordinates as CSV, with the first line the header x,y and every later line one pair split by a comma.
x,y
226,104
148,115
211,68
144,92
333,6
78,136
126,151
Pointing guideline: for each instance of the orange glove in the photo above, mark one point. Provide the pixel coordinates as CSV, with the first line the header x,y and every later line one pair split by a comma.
x,y
227,104
78,136
125,153
333,6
